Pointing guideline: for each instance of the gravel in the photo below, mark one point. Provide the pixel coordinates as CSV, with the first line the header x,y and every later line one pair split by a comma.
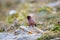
x,y
21,35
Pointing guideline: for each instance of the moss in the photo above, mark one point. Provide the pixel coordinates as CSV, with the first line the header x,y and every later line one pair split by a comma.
x,y
48,36
55,28
1,30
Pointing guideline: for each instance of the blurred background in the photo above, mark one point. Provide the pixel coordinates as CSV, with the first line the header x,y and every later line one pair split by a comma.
x,y
46,13
43,11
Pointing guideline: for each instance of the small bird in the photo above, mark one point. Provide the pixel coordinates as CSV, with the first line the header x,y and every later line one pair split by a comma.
x,y
31,22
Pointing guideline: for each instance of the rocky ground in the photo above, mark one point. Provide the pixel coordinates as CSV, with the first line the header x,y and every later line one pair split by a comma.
x,y
20,34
